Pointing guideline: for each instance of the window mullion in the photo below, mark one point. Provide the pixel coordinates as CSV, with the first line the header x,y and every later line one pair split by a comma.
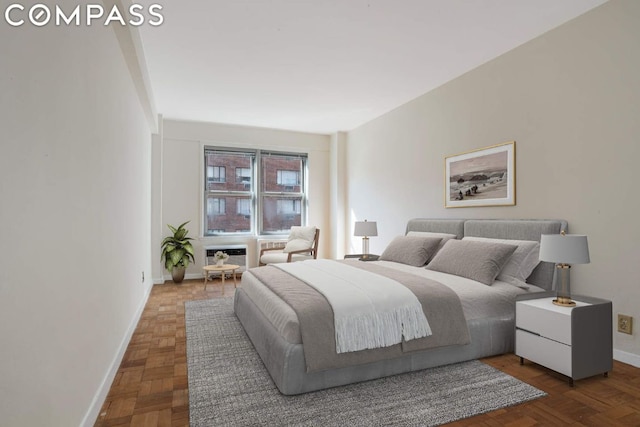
x,y
258,192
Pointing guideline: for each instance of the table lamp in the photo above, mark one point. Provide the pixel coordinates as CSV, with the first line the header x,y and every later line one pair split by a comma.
x,y
564,249
365,229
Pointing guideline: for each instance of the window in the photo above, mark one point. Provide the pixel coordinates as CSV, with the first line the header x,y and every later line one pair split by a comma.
x,y
216,206
288,206
216,174
268,193
288,178
243,175
282,195
243,207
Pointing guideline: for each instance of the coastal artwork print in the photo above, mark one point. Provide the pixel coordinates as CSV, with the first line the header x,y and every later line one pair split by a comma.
x,y
483,177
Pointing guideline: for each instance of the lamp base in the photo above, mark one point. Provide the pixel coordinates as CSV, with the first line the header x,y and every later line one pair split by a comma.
x,y
562,286
564,302
365,246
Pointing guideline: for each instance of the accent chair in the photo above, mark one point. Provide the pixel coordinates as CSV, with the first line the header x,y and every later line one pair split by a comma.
x,y
302,244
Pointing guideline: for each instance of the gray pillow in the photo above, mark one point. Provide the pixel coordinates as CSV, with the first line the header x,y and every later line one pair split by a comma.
x,y
479,261
411,250
444,236
520,264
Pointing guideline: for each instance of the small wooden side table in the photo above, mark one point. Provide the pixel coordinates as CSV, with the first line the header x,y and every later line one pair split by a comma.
x,y
222,269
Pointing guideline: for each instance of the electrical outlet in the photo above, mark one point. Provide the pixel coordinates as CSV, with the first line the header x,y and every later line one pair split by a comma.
x,y
625,324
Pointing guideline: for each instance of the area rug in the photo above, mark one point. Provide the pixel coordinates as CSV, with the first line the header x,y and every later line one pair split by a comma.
x,y
229,385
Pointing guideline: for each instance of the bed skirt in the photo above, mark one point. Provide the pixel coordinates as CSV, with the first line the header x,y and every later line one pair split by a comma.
x,y
286,364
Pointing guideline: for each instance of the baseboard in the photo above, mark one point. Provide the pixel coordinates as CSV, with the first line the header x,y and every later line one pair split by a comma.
x,y
189,276
628,358
167,278
96,404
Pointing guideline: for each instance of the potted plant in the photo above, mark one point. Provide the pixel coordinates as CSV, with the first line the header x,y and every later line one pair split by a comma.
x,y
177,252
220,257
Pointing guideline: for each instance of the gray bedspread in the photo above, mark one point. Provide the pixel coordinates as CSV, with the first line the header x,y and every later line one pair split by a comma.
x,y
441,306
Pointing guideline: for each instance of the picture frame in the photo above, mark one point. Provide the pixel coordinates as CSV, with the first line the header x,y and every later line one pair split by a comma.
x,y
482,177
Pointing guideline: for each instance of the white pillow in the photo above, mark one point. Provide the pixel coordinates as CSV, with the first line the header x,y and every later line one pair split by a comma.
x,y
522,262
300,238
443,236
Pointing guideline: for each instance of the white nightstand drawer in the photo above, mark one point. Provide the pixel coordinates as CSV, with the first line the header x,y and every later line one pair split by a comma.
x,y
552,354
542,317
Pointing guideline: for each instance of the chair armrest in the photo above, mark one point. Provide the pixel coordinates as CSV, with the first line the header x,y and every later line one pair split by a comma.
x,y
301,251
262,251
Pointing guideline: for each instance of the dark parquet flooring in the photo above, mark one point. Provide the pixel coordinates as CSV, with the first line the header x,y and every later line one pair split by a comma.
x,y
151,389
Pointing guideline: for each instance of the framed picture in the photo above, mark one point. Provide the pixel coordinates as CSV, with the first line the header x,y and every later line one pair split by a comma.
x,y
483,177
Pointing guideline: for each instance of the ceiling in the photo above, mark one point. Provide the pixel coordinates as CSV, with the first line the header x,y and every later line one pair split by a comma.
x,y
324,66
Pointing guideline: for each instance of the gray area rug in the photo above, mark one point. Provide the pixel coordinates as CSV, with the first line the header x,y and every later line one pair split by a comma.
x,y
229,385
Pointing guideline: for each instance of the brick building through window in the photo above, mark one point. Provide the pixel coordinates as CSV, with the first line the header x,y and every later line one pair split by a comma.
x,y
253,190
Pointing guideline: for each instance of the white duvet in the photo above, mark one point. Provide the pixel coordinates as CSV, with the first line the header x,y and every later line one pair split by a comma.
x,y
478,300
381,313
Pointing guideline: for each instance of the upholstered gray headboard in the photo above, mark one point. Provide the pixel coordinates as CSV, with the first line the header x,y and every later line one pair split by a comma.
x,y
516,229
449,226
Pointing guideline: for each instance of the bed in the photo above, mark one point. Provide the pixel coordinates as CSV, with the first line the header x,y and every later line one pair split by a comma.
x,y
274,329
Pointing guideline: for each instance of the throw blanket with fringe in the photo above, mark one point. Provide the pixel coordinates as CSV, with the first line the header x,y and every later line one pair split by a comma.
x,y
440,304
370,311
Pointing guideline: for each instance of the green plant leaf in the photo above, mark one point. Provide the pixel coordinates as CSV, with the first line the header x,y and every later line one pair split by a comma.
x,y
177,255
177,249
180,234
167,240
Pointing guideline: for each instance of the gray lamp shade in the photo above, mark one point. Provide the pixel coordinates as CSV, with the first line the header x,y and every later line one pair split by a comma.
x,y
564,248
365,228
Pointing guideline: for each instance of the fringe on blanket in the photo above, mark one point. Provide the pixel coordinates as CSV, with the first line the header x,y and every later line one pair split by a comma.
x,y
381,329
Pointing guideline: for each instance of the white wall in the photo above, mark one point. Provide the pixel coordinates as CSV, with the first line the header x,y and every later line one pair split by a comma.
x,y
337,210
179,184
74,209
571,101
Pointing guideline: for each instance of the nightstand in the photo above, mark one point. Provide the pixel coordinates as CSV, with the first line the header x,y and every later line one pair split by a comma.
x,y
369,257
574,341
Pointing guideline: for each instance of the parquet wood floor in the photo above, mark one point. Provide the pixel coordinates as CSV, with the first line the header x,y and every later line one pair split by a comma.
x,y
150,388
